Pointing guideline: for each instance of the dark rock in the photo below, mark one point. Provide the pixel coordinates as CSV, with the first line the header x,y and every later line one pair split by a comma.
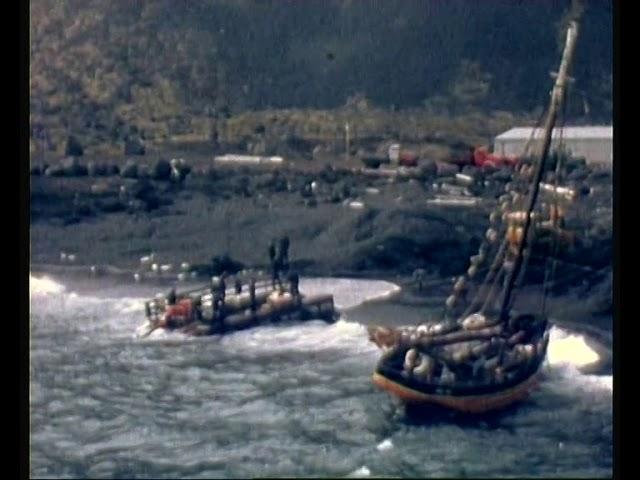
x,y
577,162
135,205
144,171
549,177
371,162
69,163
113,170
162,170
306,191
179,170
85,210
134,146
600,174
101,169
130,170
152,202
446,169
503,175
310,202
110,205
223,263
258,148
329,175
73,147
580,173
428,169
317,152
55,171
143,189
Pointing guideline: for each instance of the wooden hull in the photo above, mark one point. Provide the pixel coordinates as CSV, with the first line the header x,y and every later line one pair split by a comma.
x,y
480,403
468,393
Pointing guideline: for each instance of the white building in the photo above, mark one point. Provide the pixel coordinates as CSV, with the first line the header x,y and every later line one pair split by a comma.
x,y
595,144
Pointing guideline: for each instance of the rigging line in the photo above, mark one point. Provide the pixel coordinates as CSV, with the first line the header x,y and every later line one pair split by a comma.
x,y
533,132
525,261
577,266
490,299
485,288
557,95
550,274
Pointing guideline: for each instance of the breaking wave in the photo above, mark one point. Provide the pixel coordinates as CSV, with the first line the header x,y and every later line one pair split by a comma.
x,y
278,400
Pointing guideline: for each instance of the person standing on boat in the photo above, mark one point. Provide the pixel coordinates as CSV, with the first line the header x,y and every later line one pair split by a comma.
x,y
284,254
294,281
171,297
252,293
238,286
275,265
214,289
222,290
197,308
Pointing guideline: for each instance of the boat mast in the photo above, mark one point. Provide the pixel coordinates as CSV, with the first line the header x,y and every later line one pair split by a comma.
x,y
557,97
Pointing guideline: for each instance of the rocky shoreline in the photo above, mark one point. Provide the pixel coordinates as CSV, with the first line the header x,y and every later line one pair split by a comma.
x,y
355,222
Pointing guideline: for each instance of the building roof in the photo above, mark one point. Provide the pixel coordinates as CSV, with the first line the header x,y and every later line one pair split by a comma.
x,y
524,133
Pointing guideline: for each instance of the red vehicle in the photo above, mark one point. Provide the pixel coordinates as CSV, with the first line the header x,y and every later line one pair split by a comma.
x,y
482,158
408,159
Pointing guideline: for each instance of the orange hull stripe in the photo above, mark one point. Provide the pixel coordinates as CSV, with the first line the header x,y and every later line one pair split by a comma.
x,y
469,403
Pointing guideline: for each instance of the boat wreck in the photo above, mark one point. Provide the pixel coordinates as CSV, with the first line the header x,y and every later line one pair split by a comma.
x,y
215,309
484,355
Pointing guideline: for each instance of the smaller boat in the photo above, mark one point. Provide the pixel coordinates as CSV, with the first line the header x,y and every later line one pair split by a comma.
x,y
214,309
204,311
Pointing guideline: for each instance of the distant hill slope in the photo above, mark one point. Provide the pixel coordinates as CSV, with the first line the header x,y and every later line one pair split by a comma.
x,y
104,70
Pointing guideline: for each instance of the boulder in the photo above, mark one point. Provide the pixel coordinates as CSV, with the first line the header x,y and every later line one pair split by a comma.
x,y
130,170
502,175
73,147
579,174
54,171
446,169
144,171
100,188
142,190
110,205
161,170
134,146
428,169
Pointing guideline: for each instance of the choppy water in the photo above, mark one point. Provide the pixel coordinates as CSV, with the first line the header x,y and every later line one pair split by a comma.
x,y
292,400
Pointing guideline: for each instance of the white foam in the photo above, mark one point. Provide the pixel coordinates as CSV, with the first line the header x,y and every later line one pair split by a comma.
x,y
566,354
130,305
363,471
569,349
385,445
307,336
44,286
348,292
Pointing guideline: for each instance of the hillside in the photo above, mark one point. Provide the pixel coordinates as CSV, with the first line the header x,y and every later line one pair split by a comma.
x,y
185,72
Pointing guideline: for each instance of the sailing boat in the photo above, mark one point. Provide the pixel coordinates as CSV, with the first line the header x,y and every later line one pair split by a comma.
x,y
484,355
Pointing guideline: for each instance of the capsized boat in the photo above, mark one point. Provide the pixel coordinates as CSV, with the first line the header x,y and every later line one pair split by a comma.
x,y
483,355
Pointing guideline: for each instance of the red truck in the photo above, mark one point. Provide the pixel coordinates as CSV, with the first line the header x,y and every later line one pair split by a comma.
x,y
482,158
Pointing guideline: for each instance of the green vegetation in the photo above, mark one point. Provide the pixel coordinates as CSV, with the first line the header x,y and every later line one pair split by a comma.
x,y
217,70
